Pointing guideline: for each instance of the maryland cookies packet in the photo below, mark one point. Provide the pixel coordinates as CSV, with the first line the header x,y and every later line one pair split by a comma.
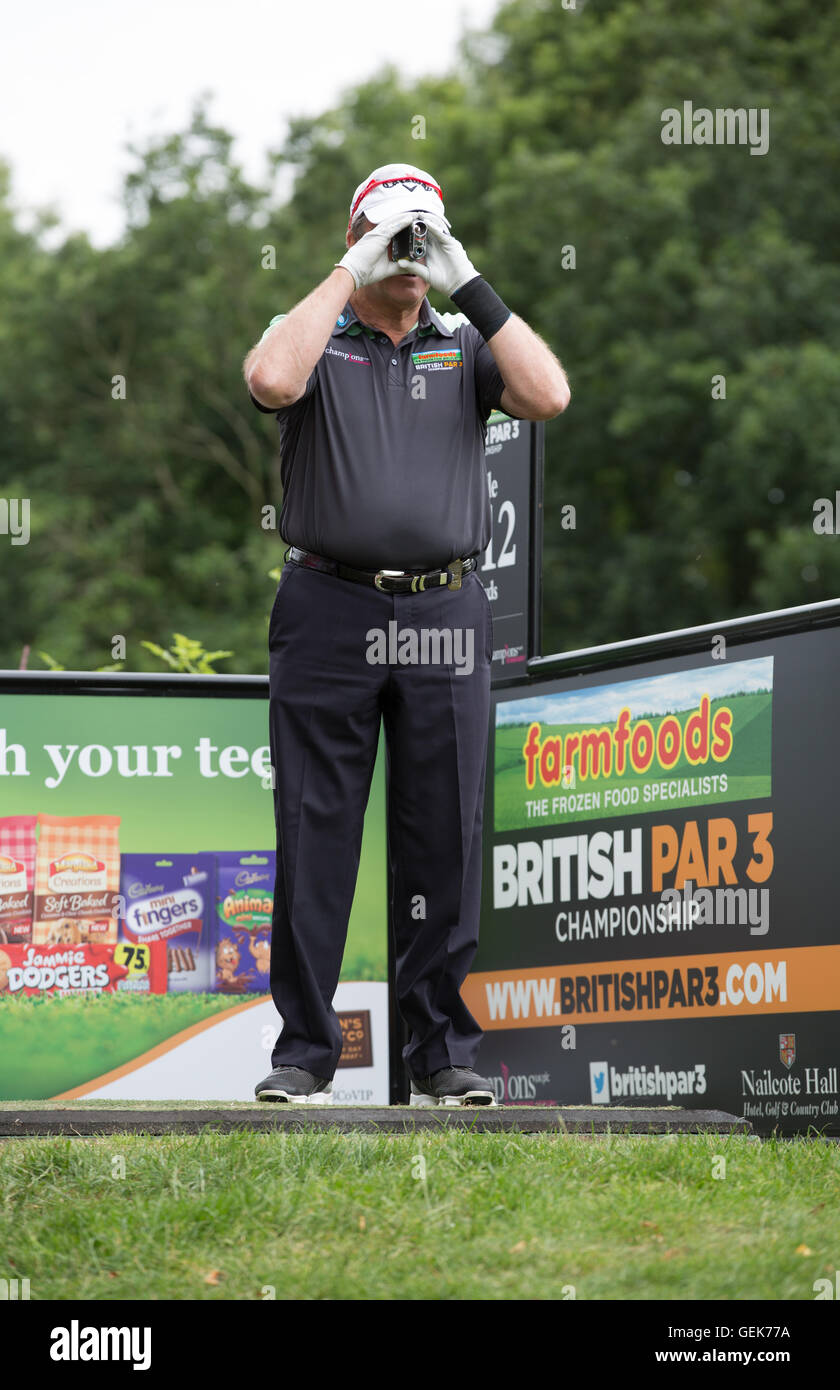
x,y
168,898
244,904
17,877
77,881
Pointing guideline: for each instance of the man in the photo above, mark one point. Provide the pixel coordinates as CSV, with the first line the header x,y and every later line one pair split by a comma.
x,y
382,409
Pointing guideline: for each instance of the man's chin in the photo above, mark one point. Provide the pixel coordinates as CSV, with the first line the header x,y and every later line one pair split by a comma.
x,y
408,284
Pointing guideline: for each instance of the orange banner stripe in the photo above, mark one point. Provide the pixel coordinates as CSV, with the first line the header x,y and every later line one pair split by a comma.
x,y
802,979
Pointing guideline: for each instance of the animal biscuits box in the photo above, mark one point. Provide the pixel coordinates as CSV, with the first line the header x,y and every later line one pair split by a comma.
x,y
244,904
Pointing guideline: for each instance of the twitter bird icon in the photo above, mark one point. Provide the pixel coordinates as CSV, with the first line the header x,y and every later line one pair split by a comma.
x,y
599,1083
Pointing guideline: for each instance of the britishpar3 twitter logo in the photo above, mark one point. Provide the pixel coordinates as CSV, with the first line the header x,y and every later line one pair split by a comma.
x,y
599,1083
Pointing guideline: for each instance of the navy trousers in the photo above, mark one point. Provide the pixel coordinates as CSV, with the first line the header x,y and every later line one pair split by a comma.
x,y
343,657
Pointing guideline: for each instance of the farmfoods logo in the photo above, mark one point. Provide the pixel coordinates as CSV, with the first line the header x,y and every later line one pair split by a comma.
x,y
629,745
685,738
437,361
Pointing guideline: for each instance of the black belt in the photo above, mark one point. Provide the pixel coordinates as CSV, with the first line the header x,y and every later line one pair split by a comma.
x,y
389,581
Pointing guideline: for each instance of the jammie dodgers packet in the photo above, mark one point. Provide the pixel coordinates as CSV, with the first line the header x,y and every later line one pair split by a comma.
x,y
169,899
77,880
31,971
244,905
17,878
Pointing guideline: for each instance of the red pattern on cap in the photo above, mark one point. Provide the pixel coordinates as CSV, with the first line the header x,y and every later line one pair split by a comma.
x,y
375,183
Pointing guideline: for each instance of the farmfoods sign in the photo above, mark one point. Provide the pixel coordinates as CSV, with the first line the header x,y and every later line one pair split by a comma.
x,y
681,739
659,880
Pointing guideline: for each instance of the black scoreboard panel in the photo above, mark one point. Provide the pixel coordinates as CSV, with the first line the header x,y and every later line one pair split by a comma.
x,y
511,567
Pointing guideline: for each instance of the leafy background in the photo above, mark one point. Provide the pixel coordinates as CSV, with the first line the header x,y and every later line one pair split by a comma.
x,y
146,513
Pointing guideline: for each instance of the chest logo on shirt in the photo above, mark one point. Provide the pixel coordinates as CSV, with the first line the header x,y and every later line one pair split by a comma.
x,y
442,360
347,356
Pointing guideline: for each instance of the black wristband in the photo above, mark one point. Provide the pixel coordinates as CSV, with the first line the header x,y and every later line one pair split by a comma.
x,y
482,306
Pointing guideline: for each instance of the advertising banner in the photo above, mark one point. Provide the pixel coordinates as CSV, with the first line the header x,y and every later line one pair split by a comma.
x,y
659,920
137,866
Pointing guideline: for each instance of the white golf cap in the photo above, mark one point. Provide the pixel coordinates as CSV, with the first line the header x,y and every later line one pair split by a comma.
x,y
394,188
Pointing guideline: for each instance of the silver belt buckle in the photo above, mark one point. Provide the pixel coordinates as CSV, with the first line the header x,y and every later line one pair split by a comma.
x,y
386,574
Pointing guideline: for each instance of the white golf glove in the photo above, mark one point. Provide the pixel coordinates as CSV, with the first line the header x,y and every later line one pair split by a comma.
x,y
447,267
368,260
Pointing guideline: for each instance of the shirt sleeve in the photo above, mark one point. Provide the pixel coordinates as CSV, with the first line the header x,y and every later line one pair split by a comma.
x,y
282,411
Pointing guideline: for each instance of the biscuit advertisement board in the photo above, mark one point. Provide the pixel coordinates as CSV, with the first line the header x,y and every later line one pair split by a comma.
x,y
137,865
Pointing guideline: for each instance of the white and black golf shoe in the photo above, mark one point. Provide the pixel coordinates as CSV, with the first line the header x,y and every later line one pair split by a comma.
x,y
295,1086
453,1086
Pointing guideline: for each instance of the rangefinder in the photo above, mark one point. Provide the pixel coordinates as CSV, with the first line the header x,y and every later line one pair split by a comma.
x,y
410,243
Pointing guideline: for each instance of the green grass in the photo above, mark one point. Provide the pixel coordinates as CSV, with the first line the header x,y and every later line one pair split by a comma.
x,y
343,1216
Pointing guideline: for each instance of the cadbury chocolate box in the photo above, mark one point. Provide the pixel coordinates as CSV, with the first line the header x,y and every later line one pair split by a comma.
x,y
169,898
244,904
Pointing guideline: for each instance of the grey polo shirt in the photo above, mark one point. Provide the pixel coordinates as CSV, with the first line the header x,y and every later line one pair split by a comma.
x,y
382,458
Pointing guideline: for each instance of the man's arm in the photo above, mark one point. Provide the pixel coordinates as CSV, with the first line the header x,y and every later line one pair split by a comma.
x,y
535,383
278,368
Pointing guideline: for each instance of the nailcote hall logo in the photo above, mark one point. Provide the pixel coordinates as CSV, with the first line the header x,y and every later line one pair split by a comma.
x,y
787,1049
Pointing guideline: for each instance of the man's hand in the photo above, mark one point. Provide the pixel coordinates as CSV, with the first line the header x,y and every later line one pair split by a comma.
x,y
447,266
368,261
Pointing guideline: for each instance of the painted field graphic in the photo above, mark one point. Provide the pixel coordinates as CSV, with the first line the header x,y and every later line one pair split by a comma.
x,y
686,738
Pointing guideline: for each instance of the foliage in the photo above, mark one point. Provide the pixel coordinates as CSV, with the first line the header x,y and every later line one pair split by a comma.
x,y
151,496
186,654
